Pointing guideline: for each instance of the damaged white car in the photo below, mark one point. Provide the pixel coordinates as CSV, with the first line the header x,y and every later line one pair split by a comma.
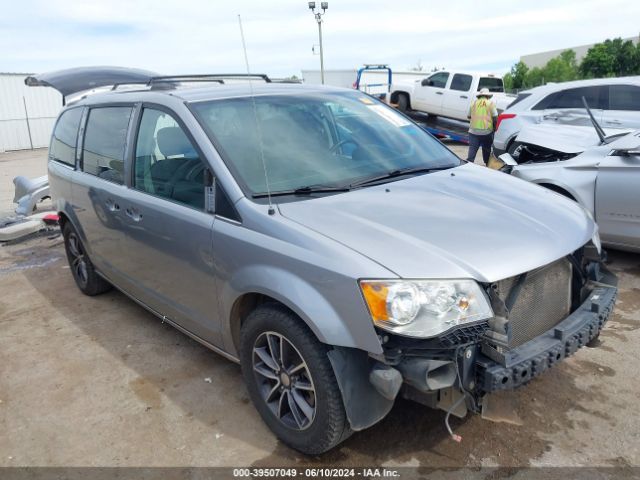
x,y
599,169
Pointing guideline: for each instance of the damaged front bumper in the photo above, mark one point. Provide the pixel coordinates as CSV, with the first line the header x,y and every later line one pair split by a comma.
x,y
457,370
527,361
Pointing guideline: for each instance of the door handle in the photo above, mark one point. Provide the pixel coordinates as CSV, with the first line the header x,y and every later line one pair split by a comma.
x,y
111,205
464,96
133,213
438,93
550,117
613,122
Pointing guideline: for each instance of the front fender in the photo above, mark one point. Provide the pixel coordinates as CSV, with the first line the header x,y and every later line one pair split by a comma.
x,y
578,182
348,328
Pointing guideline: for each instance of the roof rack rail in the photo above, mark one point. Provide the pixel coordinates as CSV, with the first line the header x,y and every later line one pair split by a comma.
x,y
170,81
209,77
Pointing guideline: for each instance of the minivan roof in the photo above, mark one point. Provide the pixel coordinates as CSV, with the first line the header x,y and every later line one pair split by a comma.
x,y
205,92
551,87
81,81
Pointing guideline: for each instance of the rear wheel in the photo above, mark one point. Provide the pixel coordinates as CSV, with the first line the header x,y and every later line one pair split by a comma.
x,y
290,380
403,102
83,271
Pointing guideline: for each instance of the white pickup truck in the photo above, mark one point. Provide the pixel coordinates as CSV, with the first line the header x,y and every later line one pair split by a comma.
x,y
448,93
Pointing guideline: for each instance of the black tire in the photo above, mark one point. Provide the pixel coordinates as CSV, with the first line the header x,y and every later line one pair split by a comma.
x,y
329,425
513,146
403,102
83,271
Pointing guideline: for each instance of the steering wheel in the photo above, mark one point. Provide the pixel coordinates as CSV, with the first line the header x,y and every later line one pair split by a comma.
x,y
341,143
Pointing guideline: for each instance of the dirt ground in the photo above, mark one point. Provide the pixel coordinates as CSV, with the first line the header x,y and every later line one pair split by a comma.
x,y
101,382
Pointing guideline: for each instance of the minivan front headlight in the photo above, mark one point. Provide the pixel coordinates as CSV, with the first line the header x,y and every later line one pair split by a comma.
x,y
424,308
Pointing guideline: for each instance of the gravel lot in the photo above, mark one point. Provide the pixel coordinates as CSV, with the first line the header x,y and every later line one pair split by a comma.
x,y
101,382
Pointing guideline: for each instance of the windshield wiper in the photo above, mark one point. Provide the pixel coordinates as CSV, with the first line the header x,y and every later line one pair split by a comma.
x,y
596,125
306,190
398,173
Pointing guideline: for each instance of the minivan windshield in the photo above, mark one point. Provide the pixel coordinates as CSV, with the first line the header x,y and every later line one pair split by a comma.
x,y
316,140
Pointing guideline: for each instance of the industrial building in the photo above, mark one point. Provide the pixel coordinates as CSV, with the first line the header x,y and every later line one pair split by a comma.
x,y
27,114
540,59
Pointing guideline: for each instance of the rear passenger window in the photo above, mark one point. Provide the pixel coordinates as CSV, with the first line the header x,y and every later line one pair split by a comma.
x,y
572,98
104,142
167,165
461,82
63,140
624,97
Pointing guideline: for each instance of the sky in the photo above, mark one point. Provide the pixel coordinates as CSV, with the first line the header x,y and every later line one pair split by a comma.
x,y
202,36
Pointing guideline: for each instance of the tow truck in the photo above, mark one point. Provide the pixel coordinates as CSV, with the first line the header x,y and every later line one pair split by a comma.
x,y
442,128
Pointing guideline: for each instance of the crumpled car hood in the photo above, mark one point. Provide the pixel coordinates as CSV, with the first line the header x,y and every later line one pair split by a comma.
x,y
467,222
563,138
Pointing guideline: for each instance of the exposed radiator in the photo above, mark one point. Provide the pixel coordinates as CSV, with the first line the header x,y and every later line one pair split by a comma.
x,y
544,300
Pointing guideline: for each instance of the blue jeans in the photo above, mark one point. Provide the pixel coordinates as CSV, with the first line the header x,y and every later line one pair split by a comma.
x,y
477,141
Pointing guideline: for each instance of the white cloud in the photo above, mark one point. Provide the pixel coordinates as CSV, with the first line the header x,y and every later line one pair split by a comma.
x,y
203,36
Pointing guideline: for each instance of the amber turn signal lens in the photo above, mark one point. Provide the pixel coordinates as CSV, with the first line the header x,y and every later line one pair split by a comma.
x,y
376,296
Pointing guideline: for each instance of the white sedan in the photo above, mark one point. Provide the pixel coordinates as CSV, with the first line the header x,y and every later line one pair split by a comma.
x,y
599,170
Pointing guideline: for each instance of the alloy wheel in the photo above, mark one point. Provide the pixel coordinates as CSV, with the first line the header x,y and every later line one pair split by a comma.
x,y
284,380
78,258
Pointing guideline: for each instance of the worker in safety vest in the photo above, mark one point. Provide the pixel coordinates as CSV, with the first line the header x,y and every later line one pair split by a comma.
x,y
482,117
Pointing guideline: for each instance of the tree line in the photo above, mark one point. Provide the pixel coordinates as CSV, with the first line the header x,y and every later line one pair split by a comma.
x,y
611,58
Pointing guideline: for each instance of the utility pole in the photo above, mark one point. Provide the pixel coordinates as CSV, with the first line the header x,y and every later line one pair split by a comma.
x,y
318,15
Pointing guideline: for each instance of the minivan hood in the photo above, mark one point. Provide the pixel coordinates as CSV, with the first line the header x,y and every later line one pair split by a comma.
x,y
466,222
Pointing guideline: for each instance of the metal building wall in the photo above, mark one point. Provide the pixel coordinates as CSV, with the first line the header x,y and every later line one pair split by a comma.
x,y
27,114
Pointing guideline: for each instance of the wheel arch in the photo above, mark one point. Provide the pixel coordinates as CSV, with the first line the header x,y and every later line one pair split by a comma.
x,y
260,284
562,190
67,216
396,94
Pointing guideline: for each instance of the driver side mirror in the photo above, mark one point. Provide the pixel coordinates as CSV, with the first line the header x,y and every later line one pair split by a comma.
x,y
426,82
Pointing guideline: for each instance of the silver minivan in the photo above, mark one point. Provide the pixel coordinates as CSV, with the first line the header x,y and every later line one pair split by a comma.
x,y
337,251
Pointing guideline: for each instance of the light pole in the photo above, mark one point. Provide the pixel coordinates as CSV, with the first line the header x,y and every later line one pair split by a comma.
x,y
318,15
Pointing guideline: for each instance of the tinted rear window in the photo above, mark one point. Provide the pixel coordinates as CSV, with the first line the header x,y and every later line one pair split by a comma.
x,y
492,83
104,142
572,98
624,97
63,140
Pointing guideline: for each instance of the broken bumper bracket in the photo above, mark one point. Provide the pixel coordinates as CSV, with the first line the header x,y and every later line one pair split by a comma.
x,y
534,357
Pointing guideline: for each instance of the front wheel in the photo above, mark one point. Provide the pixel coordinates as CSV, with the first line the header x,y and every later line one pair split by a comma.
x,y
290,380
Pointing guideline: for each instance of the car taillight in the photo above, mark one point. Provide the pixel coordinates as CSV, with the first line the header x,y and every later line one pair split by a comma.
x,y
503,116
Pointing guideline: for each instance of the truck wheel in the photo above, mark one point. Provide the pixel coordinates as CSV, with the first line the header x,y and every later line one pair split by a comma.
x,y
83,271
291,381
403,102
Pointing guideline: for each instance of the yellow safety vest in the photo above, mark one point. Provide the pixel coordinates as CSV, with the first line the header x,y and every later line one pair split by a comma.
x,y
481,114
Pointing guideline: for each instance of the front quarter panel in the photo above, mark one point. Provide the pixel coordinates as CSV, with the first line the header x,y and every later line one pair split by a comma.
x,y
575,176
315,277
